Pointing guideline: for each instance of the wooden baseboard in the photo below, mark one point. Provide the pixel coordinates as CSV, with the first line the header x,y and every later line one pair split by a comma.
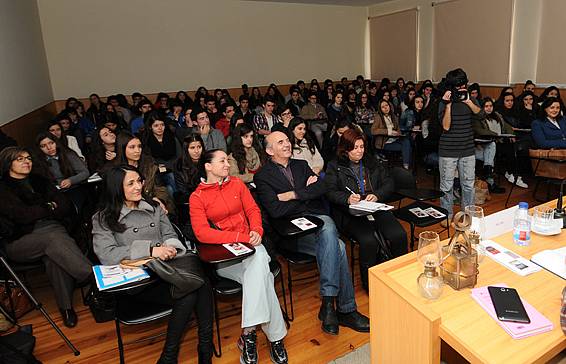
x,y
25,128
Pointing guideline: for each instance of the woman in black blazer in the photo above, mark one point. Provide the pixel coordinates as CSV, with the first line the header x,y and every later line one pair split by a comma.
x,y
355,176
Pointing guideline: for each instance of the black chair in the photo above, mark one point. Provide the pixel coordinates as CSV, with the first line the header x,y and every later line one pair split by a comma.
x,y
289,232
10,268
403,179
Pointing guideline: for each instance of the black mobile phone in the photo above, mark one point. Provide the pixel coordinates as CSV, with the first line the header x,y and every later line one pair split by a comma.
x,y
508,305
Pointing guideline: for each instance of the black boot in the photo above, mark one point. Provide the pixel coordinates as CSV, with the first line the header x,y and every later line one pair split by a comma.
x,y
178,322
327,315
205,353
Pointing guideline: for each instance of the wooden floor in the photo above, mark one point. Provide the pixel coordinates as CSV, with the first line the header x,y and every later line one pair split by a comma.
x,y
305,342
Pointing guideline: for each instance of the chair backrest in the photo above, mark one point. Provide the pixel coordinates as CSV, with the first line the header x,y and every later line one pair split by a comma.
x,y
189,245
403,178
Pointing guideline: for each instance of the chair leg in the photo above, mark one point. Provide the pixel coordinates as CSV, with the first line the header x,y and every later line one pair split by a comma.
x,y
217,352
412,237
509,194
285,312
120,342
290,285
39,307
536,189
352,263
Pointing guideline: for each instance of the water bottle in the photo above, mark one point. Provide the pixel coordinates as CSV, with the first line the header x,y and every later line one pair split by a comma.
x,y
522,225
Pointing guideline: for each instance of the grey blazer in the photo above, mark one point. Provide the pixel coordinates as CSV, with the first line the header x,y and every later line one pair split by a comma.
x,y
146,226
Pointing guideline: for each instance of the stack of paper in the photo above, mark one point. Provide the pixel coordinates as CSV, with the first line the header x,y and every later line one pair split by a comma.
x,y
110,276
237,248
370,206
552,260
538,325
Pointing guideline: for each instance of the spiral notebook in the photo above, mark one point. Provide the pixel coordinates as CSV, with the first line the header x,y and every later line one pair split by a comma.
x,y
538,325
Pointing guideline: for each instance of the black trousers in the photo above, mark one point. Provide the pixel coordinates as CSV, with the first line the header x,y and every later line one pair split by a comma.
x,y
361,229
199,301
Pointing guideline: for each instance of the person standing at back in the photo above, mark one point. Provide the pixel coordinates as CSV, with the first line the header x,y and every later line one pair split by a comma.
x,y
456,146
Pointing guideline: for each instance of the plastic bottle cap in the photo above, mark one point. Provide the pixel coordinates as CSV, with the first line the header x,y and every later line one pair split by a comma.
x,y
523,205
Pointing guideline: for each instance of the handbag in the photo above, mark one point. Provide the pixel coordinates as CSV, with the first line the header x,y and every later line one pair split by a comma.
x,y
14,299
184,273
17,347
545,168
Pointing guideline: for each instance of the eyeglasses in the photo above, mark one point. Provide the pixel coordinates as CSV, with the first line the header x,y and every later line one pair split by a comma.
x,y
22,159
286,113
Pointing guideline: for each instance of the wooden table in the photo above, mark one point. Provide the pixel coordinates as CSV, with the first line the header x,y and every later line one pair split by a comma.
x,y
406,328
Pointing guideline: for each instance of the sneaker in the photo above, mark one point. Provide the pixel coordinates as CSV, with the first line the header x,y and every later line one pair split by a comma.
x,y
247,344
520,183
278,353
510,177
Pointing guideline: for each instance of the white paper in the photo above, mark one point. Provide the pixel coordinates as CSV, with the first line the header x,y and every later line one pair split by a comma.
x,y
509,258
499,223
552,260
237,248
303,223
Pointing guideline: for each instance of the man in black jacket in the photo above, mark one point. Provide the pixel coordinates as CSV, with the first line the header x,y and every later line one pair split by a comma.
x,y
288,188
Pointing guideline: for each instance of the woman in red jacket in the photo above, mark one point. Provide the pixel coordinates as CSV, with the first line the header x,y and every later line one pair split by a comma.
x,y
226,204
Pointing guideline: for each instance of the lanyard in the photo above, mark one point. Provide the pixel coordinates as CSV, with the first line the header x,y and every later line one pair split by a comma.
x,y
360,179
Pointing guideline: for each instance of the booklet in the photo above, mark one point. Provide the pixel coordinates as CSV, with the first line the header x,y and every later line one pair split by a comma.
x,y
237,248
110,276
509,259
539,323
303,223
552,260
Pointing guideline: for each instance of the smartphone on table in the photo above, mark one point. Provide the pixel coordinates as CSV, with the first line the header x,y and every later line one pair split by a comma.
x,y
508,305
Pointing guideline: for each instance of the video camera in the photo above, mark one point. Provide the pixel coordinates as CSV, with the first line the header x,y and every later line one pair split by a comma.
x,y
456,81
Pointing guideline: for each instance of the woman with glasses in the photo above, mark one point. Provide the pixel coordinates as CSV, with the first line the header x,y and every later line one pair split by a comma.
x,y
37,214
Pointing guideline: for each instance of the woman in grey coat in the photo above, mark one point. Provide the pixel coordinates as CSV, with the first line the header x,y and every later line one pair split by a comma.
x,y
130,227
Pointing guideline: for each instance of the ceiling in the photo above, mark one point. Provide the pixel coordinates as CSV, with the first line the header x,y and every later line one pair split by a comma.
x,y
329,2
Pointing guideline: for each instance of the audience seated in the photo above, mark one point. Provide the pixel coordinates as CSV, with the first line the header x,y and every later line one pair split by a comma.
x,y
364,113
286,117
288,188
387,133
129,151
189,126
411,117
186,171
491,125
223,211
142,108
356,175
39,214
295,103
266,119
549,131
228,111
247,156
336,109
128,226
408,97
303,146
212,138
245,110
102,150
69,141
163,147
315,116
331,142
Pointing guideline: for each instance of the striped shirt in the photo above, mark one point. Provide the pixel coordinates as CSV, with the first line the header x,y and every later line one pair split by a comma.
x,y
458,141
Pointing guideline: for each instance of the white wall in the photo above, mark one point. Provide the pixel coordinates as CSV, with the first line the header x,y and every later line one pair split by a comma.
x,y
109,46
24,76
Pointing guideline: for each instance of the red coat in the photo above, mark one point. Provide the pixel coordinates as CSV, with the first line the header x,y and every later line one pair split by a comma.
x,y
224,126
230,207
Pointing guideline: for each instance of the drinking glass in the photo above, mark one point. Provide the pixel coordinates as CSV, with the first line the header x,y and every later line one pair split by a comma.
x,y
477,228
542,218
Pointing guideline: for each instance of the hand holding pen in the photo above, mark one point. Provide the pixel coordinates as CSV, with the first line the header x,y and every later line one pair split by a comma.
x,y
354,197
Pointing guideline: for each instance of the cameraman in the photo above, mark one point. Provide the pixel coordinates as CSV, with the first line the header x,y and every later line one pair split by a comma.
x,y
456,145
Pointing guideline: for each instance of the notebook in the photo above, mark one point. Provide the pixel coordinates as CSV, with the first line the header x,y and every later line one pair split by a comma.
x,y
110,276
539,324
552,260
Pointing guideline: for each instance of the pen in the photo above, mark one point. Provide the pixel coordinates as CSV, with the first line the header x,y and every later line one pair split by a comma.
x,y
349,190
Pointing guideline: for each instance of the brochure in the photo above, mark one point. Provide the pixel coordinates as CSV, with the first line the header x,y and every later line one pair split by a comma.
x,y
237,248
110,276
509,259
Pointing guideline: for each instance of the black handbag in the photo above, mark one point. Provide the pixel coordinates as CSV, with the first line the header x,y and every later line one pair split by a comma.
x,y
184,273
17,347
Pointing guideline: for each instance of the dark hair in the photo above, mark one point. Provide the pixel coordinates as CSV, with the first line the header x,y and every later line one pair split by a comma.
x,y
348,141
62,153
411,104
238,149
269,98
112,197
294,142
359,99
494,114
186,168
243,97
122,140
207,157
546,103
69,100
7,156
391,107
456,78
195,112
223,107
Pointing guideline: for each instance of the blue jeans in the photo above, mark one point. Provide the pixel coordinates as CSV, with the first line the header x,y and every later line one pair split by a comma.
x,y
403,145
486,153
330,252
168,179
466,172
